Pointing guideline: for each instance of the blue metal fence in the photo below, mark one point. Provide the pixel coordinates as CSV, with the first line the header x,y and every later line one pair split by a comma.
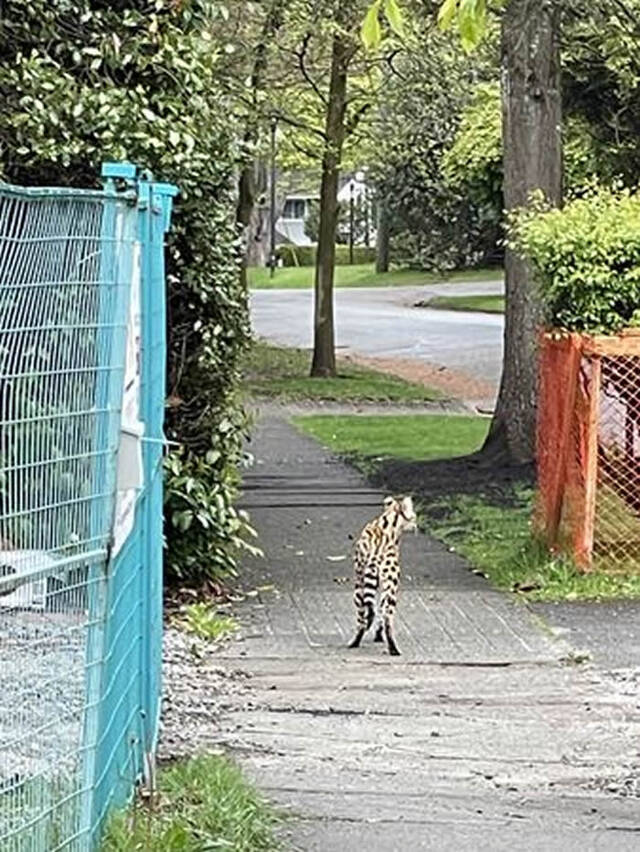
x,y
82,366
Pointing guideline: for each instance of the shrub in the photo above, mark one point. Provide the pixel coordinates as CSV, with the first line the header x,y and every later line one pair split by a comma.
x,y
291,255
586,257
472,165
306,255
474,162
83,82
361,254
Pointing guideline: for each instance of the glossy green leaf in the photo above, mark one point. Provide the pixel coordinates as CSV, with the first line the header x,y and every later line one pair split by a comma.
x,y
371,32
393,15
472,22
447,14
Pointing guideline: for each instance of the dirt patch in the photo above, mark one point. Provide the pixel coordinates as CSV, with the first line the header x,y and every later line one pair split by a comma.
x,y
434,481
454,383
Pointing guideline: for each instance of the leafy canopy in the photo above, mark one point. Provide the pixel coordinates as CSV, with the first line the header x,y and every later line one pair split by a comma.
x,y
371,31
470,17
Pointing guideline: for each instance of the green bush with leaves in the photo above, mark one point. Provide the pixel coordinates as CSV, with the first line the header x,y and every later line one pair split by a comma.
x,y
361,254
474,161
84,81
584,158
306,255
587,258
290,255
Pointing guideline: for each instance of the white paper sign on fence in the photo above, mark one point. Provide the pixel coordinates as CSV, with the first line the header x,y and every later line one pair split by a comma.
x,y
130,477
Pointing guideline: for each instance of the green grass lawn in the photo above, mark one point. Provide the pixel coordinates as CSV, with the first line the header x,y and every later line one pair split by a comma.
x,y
362,275
411,436
278,372
498,542
203,803
483,304
481,513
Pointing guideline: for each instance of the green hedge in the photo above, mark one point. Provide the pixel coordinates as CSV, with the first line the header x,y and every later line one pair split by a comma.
x,y
81,85
306,255
586,257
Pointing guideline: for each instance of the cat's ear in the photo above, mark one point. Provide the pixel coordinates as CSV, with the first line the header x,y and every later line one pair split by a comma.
x,y
407,506
388,501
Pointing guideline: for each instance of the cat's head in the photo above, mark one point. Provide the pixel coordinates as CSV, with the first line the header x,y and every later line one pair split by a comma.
x,y
403,507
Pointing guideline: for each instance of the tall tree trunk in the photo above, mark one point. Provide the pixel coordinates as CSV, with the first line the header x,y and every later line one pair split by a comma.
x,y
324,357
532,146
382,237
248,181
259,218
245,208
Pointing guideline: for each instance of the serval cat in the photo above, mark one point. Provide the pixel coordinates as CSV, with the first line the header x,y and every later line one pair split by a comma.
x,y
377,569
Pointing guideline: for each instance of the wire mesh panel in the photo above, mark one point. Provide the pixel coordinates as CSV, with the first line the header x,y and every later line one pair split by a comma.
x,y
617,532
589,448
72,631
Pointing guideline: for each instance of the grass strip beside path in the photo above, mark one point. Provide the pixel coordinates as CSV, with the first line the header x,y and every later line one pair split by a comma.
x,y
282,373
202,803
411,436
481,512
481,304
363,275
498,542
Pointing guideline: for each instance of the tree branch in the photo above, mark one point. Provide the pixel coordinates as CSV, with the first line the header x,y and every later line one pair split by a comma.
x,y
302,64
312,155
301,125
355,119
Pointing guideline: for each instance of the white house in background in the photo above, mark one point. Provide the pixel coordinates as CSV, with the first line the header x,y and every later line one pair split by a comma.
x,y
359,189
296,206
290,225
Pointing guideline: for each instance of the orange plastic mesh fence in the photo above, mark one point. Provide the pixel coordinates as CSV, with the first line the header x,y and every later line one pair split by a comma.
x,y
588,448
557,370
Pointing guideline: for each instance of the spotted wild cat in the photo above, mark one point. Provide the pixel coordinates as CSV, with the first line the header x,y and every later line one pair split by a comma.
x,y
377,569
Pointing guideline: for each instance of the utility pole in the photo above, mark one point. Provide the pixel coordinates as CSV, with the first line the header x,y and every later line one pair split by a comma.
x,y
365,198
351,222
272,257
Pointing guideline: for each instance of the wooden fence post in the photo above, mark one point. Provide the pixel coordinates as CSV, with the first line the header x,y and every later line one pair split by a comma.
x,y
585,538
560,478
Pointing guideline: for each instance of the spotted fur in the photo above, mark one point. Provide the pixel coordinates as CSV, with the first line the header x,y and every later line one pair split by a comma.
x,y
377,569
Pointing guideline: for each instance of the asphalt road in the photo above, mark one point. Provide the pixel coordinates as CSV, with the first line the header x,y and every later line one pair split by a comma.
x,y
383,323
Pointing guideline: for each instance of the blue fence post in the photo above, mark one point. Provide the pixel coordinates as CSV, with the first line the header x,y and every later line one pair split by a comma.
x,y
130,686
155,217
163,195
113,296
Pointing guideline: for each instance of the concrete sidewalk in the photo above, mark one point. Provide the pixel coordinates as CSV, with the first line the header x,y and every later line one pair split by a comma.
x,y
483,735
